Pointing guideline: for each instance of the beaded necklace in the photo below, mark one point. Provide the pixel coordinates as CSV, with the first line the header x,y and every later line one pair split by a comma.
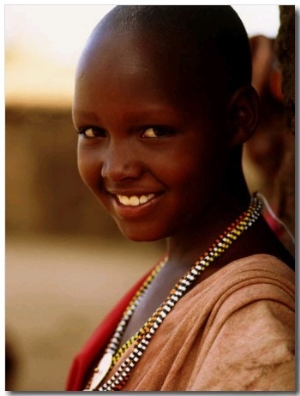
x,y
142,338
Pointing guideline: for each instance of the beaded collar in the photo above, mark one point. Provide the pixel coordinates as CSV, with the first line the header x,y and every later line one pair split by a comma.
x,y
142,338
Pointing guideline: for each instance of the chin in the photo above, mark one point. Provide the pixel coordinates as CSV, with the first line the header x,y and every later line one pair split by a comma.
x,y
135,234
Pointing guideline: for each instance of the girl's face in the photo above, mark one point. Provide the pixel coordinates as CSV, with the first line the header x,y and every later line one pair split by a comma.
x,y
148,146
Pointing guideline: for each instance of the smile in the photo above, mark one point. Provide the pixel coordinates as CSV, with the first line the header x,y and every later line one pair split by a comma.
x,y
134,200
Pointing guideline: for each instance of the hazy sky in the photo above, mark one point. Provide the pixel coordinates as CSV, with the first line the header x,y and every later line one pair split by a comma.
x,y
43,43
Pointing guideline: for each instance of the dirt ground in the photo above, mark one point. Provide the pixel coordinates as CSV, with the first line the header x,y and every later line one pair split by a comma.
x,y
57,291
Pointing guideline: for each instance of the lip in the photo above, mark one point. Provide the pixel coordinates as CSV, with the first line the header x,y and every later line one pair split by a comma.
x,y
134,212
131,192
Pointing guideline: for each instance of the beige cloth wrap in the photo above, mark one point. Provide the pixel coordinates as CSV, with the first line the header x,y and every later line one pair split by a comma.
x,y
232,332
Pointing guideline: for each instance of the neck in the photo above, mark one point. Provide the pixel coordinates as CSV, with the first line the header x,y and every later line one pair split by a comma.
x,y
230,200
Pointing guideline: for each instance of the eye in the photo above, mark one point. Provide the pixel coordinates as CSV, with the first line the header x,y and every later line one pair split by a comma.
x,y
156,132
93,132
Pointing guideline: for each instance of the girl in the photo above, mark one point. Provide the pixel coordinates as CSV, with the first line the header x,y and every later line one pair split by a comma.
x,y
163,103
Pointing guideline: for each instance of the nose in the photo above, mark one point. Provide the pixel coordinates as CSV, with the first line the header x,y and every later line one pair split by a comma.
x,y
120,162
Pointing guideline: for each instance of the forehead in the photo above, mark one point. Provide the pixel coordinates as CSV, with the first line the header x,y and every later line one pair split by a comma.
x,y
173,63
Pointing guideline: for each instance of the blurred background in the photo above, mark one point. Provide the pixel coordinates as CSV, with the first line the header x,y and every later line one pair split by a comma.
x,y
66,262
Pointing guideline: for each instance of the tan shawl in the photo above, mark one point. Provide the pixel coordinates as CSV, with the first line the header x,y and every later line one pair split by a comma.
x,y
232,332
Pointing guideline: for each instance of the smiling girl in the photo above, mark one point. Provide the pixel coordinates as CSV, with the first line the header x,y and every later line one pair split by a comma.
x,y
163,103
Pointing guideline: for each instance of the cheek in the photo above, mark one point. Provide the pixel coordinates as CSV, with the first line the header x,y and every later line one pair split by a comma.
x,y
88,166
195,174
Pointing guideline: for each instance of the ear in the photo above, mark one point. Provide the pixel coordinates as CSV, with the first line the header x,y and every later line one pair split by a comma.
x,y
243,114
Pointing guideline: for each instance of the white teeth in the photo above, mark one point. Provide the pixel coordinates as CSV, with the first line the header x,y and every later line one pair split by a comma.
x,y
134,200
143,199
123,199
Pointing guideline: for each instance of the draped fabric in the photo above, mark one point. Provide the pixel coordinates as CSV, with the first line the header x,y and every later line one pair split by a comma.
x,y
88,357
232,332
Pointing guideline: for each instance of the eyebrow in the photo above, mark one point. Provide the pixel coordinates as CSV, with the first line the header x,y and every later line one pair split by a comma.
x,y
137,115
82,114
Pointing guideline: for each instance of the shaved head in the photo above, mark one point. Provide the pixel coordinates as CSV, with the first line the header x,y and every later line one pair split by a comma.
x,y
184,68
210,35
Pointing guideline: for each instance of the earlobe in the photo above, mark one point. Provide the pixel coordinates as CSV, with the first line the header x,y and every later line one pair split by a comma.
x,y
244,114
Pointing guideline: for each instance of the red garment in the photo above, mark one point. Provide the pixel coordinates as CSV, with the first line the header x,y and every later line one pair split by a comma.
x,y
91,352
275,226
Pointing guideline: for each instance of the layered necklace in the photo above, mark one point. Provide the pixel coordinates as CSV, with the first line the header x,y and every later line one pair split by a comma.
x,y
142,338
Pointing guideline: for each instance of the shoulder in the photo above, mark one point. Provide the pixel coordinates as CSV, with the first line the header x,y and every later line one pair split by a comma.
x,y
259,276
257,271
261,265
250,331
257,297
254,293
252,286
246,280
